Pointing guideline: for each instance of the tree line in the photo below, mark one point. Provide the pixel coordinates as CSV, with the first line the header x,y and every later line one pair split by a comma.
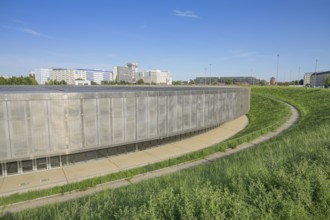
x,y
28,80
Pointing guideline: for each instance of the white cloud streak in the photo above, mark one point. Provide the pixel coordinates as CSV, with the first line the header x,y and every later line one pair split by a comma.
x,y
26,31
188,14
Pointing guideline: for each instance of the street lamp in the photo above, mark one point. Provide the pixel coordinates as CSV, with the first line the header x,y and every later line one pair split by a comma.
x,y
210,74
278,56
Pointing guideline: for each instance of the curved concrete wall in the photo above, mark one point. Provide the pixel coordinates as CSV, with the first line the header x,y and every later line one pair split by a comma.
x,y
45,123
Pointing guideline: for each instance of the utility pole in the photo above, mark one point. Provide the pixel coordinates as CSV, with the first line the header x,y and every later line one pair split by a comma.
x,y
278,57
210,74
315,73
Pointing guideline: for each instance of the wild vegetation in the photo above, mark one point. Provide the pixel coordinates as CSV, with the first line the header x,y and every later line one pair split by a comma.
x,y
287,177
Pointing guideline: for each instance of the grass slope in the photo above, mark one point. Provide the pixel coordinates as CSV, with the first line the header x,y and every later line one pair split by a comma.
x,y
287,177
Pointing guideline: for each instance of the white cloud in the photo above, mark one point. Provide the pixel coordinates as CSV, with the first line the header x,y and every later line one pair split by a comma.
x,y
189,14
25,30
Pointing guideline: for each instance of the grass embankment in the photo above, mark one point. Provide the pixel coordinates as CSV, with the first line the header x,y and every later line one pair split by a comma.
x,y
287,177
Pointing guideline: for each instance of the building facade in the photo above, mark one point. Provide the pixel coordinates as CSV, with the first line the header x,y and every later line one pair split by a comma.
x,y
232,79
42,75
154,77
130,74
307,79
318,79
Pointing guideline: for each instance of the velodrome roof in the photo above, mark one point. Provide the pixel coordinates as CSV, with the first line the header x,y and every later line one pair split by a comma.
x,y
95,89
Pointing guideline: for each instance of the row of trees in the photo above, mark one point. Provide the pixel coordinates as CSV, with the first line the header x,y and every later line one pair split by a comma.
x,y
28,80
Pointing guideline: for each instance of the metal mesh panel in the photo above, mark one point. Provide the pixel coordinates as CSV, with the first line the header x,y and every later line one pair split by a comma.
x,y
90,123
18,128
193,110
74,124
152,117
161,115
104,122
142,118
130,122
206,110
4,133
118,120
179,109
186,111
200,111
57,125
211,110
171,112
39,127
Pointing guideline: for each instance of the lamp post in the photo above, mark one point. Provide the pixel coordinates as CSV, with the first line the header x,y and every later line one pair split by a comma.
x,y
278,57
315,73
210,75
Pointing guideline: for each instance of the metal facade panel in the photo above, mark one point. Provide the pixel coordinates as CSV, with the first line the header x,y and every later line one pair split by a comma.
x,y
200,111
4,132
193,114
142,116
57,126
117,120
162,115
90,123
75,129
179,111
130,119
206,110
171,112
39,127
104,121
186,112
18,129
152,116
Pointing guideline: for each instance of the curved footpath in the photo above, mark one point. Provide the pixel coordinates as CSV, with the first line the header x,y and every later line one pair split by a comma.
x,y
173,150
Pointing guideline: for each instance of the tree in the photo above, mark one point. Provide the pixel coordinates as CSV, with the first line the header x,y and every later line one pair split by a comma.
x,y
140,82
229,82
327,82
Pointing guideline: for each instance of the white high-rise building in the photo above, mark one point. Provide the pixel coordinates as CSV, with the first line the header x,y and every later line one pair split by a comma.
x,y
42,75
68,75
155,76
98,76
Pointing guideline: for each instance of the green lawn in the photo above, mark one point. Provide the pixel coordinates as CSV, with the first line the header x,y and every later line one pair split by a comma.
x,y
287,177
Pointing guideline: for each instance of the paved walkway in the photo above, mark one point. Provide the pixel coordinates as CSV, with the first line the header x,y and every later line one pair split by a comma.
x,y
229,129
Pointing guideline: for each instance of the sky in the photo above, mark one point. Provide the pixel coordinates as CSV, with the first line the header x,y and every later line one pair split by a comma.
x,y
189,38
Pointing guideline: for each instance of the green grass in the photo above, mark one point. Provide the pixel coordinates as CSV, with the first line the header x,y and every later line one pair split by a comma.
x,y
260,122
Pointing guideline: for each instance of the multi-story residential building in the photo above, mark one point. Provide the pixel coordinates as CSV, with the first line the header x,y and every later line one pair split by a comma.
x,y
317,79
125,73
307,79
154,76
98,76
42,75
68,75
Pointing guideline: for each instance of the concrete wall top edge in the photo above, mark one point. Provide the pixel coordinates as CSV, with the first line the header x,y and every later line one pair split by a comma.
x,y
118,92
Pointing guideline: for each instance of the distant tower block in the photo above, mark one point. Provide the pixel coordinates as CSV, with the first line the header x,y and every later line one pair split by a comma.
x,y
133,67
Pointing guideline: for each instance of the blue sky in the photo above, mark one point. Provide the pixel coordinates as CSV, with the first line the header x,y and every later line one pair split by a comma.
x,y
237,37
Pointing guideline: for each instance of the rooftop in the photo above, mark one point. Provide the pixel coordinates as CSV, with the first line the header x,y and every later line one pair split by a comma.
x,y
93,89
